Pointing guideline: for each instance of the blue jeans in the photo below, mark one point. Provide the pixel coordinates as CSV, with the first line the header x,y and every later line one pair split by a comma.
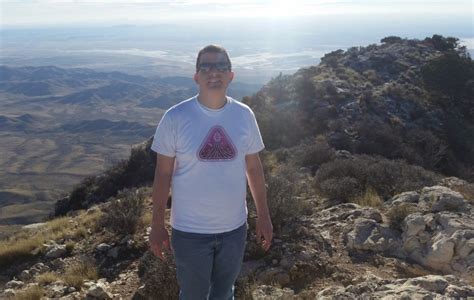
x,y
207,265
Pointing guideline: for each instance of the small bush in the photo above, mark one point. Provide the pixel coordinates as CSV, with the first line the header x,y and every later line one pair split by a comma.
x,y
398,213
391,39
78,272
317,153
377,137
448,74
70,247
159,277
124,214
32,293
283,203
46,278
340,189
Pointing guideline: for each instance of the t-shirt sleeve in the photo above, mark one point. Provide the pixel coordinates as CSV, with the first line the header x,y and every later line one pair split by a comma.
x,y
255,142
164,141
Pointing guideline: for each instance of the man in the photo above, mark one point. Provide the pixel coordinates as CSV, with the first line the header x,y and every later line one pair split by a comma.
x,y
207,146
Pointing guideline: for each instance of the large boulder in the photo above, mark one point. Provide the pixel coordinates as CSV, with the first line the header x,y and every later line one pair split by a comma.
x,y
54,250
439,198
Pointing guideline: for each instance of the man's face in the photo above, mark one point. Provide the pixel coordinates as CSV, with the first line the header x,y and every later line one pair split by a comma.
x,y
212,79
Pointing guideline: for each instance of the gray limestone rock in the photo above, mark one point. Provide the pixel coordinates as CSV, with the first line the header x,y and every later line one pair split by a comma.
x,y
440,198
55,251
432,283
424,287
25,275
370,235
405,197
39,268
98,291
104,247
14,284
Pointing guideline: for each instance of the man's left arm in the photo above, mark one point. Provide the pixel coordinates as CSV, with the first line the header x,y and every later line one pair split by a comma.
x,y
256,181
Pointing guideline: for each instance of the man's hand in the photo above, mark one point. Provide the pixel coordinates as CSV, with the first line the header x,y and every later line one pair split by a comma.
x,y
159,242
264,232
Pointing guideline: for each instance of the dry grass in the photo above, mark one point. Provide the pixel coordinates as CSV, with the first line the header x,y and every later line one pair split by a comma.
x,y
21,245
77,273
369,198
87,221
46,278
33,293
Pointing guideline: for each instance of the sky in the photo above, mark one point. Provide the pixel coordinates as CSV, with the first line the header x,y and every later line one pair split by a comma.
x,y
26,13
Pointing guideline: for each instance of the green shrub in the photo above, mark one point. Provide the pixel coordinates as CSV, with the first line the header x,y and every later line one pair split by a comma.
x,y
391,39
442,43
124,214
346,179
378,138
448,73
315,154
284,189
340,189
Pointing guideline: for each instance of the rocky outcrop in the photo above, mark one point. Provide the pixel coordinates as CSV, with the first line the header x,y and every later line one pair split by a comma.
x,y
425,287
442,241
438,233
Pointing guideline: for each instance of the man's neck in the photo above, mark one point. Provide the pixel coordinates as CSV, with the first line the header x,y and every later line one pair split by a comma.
x,y
212,101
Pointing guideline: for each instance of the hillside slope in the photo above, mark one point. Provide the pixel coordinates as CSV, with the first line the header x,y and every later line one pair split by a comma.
x,y
407,99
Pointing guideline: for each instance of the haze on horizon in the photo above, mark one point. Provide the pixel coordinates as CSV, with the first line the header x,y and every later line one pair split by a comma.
x,y
29,13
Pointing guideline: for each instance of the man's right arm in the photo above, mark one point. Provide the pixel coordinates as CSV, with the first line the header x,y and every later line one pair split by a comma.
x,y
159,237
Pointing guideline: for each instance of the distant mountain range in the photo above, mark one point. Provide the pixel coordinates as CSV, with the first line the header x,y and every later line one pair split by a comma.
x,y
58,125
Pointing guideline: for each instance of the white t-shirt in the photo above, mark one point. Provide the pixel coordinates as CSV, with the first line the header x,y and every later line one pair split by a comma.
x,y
209,178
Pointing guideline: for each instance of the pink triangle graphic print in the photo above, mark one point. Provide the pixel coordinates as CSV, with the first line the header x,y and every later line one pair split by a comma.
x,y
217,146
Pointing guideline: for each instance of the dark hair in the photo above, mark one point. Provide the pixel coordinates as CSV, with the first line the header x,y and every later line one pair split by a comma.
x,y
213,49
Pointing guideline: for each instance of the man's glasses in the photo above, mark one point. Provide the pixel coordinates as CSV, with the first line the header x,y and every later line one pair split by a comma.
x,y
220,67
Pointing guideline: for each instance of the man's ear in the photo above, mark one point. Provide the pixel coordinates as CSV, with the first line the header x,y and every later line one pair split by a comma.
x,y
195,77
231,75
